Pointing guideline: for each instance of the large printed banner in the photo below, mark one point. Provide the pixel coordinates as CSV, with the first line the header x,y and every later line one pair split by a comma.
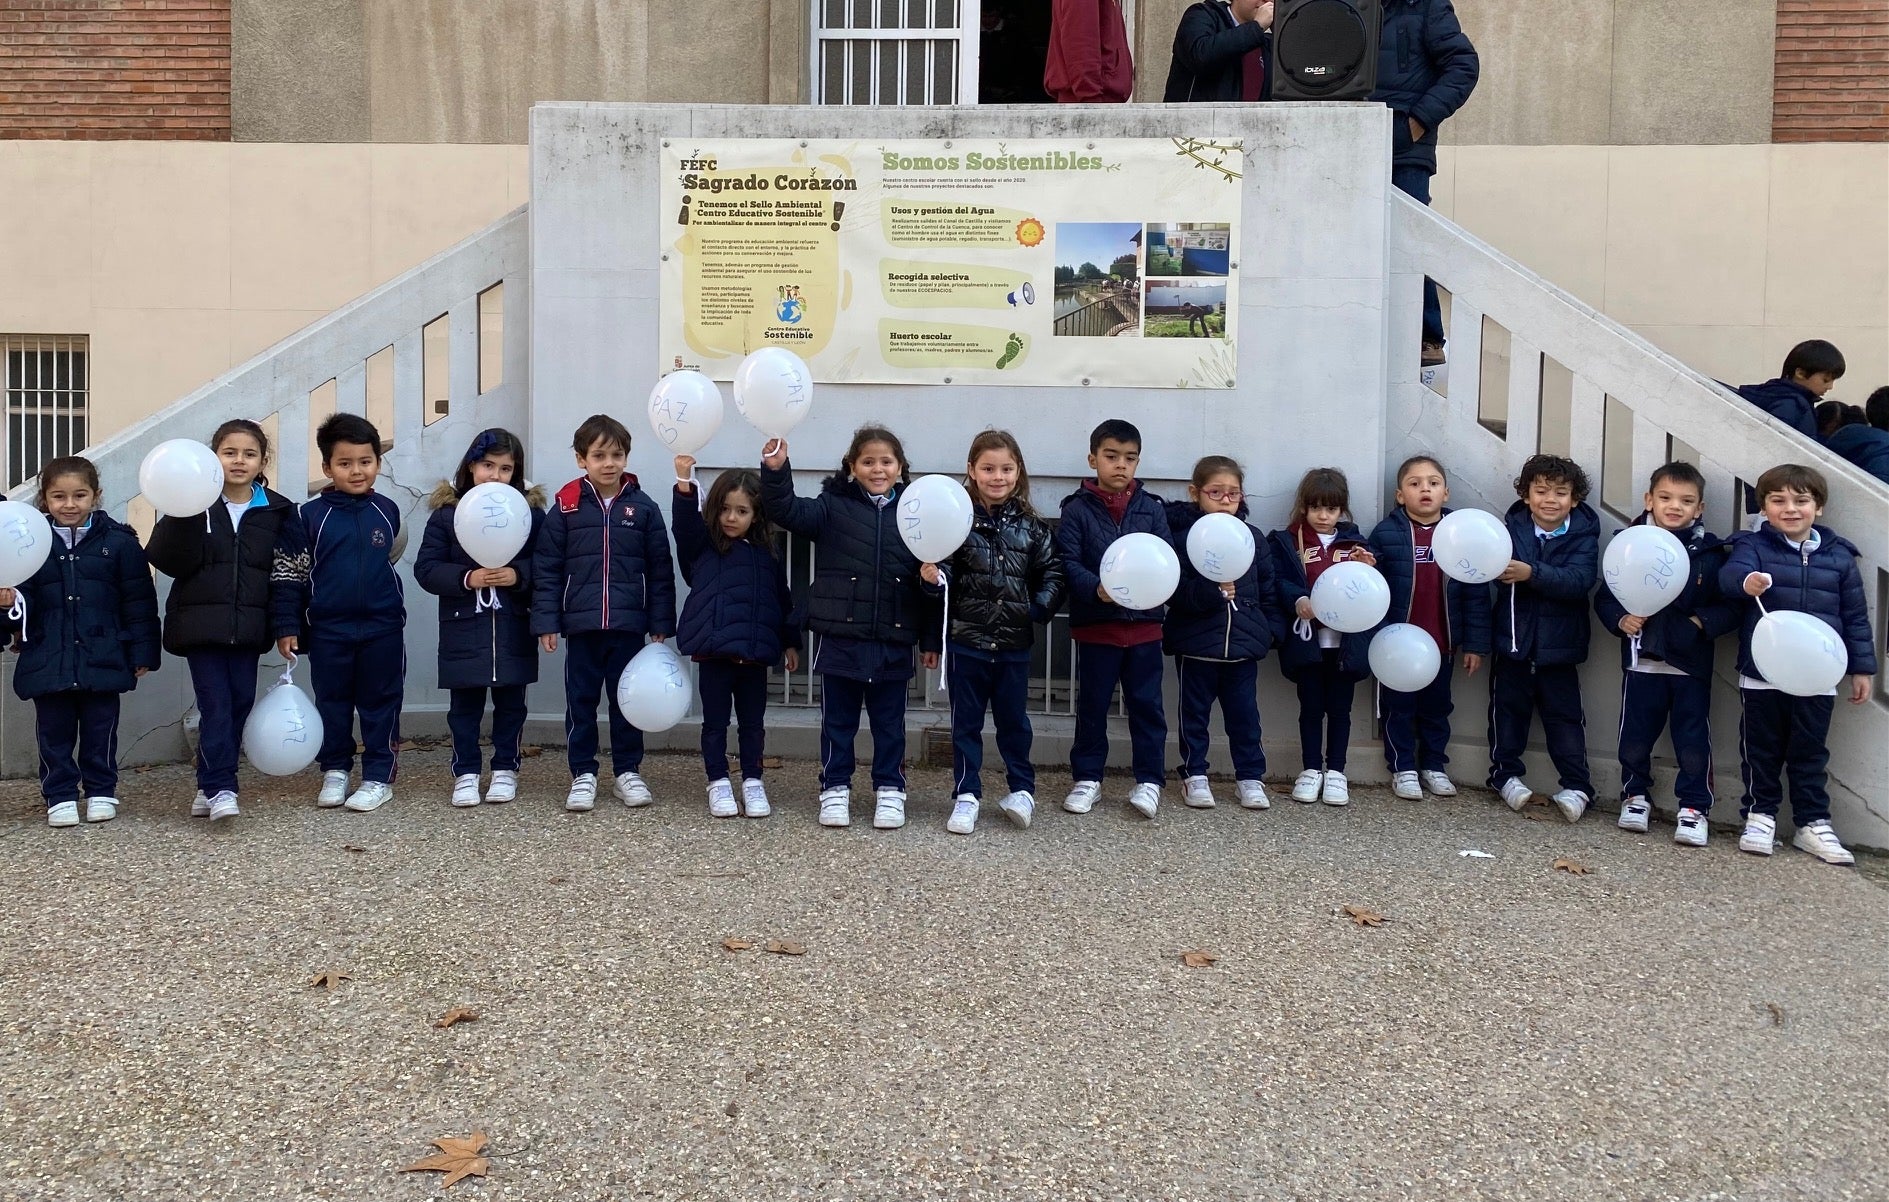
x,y
1045,261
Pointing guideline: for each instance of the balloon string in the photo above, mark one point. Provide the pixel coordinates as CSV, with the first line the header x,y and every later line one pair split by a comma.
x,y
486,598
18,611
1633,657
288,669
944,634
773,444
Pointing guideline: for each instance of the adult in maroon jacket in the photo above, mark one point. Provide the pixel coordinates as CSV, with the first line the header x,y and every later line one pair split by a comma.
x,y
1089,60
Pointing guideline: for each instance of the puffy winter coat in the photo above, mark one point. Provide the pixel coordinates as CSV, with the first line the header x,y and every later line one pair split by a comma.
x,y
739,606
349,589
1544,619
1826,582
1465,606
1004,579
1299,657
479,647
1865,446
1672,635
1200,620
1209,49
1085,535
91,615
223,577
1786,400
603,570
865,580
1426,69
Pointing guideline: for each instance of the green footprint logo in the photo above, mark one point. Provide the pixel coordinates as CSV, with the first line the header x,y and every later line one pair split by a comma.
x,y
1012,349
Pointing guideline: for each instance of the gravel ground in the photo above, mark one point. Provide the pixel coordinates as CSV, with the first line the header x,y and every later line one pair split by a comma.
x,y
1003,1016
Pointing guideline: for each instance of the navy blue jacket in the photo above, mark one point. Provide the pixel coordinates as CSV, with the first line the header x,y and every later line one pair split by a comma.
x,y
1426,69
91,615
1865,446
349,590
739,606
1085,535
224,578
1786,400
594,571
1672,634
1200,620
1300,657
478,647
1826,582
1465,606
1544,619
1206,64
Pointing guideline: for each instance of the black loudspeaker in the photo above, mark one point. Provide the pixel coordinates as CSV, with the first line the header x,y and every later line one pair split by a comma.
x,y
1325,49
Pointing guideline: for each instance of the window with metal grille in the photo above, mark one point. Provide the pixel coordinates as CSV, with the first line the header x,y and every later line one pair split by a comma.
x,y
895,51
47,387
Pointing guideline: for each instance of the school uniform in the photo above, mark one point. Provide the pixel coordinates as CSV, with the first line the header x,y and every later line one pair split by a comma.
x,y
1324,665
1217,645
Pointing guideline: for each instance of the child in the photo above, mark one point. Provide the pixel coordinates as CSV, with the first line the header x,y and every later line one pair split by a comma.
x,y
602,577
1666,660
220,616
1456,615
1324,664
482,645
867,607
1113,645
1810,370
349,605
1004,579
1793,563
91,632
1217,634
737,622
1541,627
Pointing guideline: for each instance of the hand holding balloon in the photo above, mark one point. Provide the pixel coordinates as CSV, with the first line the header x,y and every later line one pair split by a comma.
x,y
685,473
774,454
1756,583
928,572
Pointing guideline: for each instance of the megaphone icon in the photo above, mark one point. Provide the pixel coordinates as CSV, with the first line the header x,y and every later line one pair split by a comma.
x,y
1028,292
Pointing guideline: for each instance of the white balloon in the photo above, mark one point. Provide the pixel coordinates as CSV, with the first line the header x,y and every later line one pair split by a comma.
x,y
1351,597
1140,571
180,477
1472,546
685,410
1645,567
492,523
1220,546
25,541
1404,657
1799,652
283,733
773,390
934,517
654,690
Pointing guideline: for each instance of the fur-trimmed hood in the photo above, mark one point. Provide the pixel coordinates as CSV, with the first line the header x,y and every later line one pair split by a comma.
x,y
445,494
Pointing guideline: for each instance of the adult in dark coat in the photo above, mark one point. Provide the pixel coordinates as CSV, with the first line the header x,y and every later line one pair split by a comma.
x,y
1220,52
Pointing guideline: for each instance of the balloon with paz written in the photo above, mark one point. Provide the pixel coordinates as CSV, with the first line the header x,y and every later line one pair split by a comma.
x,y
1221,548
685,410
1645,567
773,390
1798,652
180,477
1471,546
492,523
654,690
1404,657
934,517
1140,571
25,541
1351,597
284,729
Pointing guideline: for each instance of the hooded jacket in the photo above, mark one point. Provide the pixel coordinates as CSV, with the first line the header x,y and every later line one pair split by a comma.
x,y
1465,606
1826,582
1085,535
1209,53
479,647
1786,400
1201,621
350,590
1426,69
1544,619
224,577
1672,635
1865,446
1005,579
599,569
739,606
91,615
1299,657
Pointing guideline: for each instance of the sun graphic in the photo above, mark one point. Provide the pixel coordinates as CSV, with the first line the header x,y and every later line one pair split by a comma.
x,y
1030,232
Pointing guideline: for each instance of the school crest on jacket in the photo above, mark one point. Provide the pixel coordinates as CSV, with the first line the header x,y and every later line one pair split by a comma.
x,y
599,567
480,646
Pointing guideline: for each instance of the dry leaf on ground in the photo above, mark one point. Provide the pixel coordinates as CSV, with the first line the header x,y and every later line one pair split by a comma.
x,y
330,979
554,880
1776,1012
1198,959
458,1014
1571,867
1364,916
354,847
785,947
528,751
732,944
457,1158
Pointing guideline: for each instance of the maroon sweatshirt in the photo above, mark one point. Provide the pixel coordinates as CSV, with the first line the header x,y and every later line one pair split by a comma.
x,y
1089,61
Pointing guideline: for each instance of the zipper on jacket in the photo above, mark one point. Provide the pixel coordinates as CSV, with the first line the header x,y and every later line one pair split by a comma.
x,y
606,550
236,577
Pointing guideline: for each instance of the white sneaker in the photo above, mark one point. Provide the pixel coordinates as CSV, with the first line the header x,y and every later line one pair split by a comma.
x,y
504,786
223,806
721,799
1019,807
1691,830
583,794
889,812
1636,814
1438,784
1759,836
1816,838
963,818
1337,790
1083,796
101,809
334,789
1144,798
66,813
466,790
1572,803
836,806
1307,787
754,799
1515,793
1196,793
370,796
1253,794
630,787
200,805
1406,786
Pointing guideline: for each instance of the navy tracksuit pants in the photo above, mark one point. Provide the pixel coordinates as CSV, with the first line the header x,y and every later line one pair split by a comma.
x,y
1518,690
78,745
1417,725
225,685
1777,731
364,676
593,662
1647,701
1099,668
1325,696
732,686
841,698
998,681
466,709
1235,685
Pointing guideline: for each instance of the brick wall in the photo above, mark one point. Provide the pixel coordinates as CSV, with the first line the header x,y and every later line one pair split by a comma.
x,y
115,69
1832,81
